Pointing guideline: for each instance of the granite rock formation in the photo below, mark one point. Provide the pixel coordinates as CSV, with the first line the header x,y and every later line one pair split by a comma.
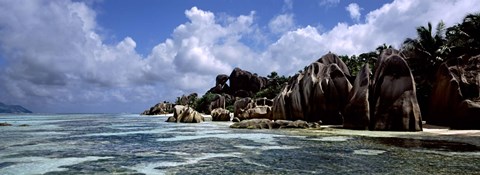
x,y
455,99
270,124
247,108
394,101
159,108
185,114
220,114
357,111
319,93
245,84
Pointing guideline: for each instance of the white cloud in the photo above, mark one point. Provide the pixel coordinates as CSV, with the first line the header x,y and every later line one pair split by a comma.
x,y
287,5
281,23
354,11
328,3
54,56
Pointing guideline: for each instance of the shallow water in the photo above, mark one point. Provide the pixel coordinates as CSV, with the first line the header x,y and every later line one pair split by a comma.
x,y
130,144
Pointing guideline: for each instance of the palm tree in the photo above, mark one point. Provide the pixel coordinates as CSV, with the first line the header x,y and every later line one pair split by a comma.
x,y
425,54
427,51
464,38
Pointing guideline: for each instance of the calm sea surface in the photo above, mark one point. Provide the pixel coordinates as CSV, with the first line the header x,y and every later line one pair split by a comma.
x,y
133,144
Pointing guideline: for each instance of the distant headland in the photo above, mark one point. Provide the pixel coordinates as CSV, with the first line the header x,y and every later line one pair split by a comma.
x,y
4,108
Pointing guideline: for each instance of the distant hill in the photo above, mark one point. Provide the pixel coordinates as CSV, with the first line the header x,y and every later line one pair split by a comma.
x,y
13,109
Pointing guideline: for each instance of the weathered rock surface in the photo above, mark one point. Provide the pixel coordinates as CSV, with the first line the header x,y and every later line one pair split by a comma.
x,y
218,102
245,84
247,108
270,124
319,93
185,114
455,99
241,105
187,100
220,114
220,85
357,111
159,108
394,101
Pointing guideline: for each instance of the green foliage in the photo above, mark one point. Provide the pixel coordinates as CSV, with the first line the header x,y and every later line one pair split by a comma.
x,y
230,108
464,38
201,104
275,85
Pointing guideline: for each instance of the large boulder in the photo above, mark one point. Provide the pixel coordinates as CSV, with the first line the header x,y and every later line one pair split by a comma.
x,y
185,114
159,108
240,105
319,93
455,99
245,84
394,101
357,111
256,112
220,114
217,102
220,85
247,108
188,100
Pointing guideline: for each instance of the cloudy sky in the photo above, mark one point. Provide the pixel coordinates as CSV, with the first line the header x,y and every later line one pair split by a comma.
x,y
124,56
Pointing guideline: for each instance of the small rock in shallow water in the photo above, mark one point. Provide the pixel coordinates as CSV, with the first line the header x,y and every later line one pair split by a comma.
x,y
5,124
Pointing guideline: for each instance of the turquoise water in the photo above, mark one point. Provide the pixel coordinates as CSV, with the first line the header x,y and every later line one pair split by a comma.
x,y
132,144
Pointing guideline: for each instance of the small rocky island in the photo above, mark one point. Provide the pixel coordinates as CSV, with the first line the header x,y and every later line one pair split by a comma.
x,y
4,108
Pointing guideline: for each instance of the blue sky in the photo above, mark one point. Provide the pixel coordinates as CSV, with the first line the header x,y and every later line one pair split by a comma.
x,y
125,55
150,22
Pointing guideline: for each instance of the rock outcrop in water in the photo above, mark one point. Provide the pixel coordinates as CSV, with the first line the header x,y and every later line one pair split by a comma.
x,y
185,114
220,114
270,124
4,108
455,99
159,108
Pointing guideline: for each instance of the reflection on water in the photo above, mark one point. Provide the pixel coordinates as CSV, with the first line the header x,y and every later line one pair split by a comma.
x,y
130,144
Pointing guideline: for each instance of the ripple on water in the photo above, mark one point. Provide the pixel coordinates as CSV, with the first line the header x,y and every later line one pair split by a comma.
x,y
156,168
255,137
368,152
332,139
41,165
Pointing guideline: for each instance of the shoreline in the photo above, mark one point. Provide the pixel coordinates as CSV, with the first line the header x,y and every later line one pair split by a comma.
x,y
430,132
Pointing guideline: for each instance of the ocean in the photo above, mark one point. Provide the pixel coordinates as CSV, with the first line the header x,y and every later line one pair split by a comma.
x,y
134,144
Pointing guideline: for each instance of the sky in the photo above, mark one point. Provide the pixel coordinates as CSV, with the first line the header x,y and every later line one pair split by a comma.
x,y
115,56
